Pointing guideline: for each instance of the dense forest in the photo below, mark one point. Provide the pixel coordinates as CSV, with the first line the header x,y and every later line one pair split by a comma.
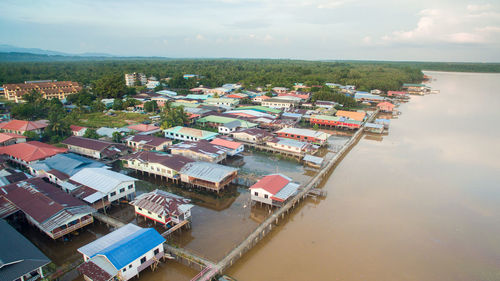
x,y
215,72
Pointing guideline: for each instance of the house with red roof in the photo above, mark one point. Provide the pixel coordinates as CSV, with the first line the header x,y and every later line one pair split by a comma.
x,y
385,106
21,126
26,153
273,190
233,147
11,138
78,131
144,129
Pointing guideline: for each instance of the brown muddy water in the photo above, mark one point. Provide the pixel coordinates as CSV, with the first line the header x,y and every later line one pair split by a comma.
x,y
423,203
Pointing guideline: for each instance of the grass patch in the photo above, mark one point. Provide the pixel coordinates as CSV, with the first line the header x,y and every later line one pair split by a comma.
x,y
99,119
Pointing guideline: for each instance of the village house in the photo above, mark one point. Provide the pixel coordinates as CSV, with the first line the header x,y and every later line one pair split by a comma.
x,y
290,145
374,128
121,254
260,108
215,121
220,91
78,131
163,207
211,176
21,260
252,135
233,147
163,165
26,153
147,142
222,101
188,134
110,185
201,150
280,103
385,106
306,135
354,115
228,128
273,190
280,90
144,129
398,94
312,161
98,149
260,99
48,89
367,97
416,89
325,104
11,138
247,113
21,126
47,207
8,176
333,121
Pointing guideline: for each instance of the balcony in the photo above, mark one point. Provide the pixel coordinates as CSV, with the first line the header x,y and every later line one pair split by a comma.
x,y
61,232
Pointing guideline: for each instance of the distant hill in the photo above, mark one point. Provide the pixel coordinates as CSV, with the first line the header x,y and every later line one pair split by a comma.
x,y
14,53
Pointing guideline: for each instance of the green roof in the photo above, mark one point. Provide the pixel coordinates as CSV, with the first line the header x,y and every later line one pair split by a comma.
x,y
413,85
191,132
185,104
260,108
224,120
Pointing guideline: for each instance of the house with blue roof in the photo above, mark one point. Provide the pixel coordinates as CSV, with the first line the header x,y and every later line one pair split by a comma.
x,y
121,254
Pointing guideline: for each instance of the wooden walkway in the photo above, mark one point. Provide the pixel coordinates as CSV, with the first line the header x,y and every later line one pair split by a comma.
x,y
174,228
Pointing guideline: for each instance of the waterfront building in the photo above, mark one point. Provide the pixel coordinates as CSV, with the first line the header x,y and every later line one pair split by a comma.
x,y
303,135
188,134
26,153
98,149
121,254
48,89
252,135
416,89
233,147
313,161
354,115
333,121
78,130
200,150
110,185
22,126
398,94
385,106
385,122
291,145
147,142
367,97
211,176
163,165
374,128
21,260
8,176
163,207
11,138
47,207
273,190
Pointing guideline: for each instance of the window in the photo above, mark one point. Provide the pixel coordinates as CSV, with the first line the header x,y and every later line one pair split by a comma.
x,y
122,190
140,209
156,251
112,194
131,186
143,260
149,212
256,193
130,266
124,269
266,196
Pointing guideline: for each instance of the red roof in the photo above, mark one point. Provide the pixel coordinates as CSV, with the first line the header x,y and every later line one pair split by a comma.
x,y
271,183
387,104
226,143
143,127
75,128
8,136
31,151
22,125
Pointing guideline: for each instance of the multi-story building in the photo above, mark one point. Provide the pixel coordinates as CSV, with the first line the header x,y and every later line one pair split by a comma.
x,y
131,79
48,89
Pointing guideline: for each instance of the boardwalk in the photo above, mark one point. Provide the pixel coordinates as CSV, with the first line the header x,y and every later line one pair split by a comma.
x,y
209,270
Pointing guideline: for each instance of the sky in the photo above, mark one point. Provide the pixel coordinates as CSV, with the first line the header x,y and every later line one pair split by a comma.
x,y
422,30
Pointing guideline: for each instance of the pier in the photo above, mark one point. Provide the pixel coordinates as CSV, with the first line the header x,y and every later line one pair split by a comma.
x,y
209,269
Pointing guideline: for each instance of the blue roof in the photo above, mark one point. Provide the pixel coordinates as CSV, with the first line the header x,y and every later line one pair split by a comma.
x,y
68,163
132,247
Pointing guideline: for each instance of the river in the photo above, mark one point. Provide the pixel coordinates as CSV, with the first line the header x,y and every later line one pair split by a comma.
x,y
422,204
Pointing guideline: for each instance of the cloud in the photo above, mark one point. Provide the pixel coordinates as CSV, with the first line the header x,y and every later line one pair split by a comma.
x,y
479,8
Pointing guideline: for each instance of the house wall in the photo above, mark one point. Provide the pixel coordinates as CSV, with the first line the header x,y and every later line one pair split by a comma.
x,y
261,196
79,133
277,104
122,190
131,270
285,147
151,215
225,130
154,168
247,138
178,136
85,151
300,137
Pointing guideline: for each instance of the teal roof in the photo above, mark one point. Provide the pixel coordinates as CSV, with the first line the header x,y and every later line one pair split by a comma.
x,y
225,120
261,109
191,132
413,85
197,97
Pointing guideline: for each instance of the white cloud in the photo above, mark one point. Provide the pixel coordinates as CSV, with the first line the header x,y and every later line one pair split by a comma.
x,y
479,8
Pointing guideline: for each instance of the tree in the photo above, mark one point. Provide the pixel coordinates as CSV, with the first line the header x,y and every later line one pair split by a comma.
x,y
31,135
150,106
91,134
316,127
117,137
118,104
81,98
110,86
269,94
172,116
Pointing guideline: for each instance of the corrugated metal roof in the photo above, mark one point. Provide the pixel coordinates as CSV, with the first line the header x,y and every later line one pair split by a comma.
x,y
289,190
313,159
107,240
304,132
162,203
100,179
207,171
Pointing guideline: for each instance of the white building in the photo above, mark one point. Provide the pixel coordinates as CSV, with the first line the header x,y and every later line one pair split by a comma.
x,y
229,127
273,190
132,78
122,253
110,185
